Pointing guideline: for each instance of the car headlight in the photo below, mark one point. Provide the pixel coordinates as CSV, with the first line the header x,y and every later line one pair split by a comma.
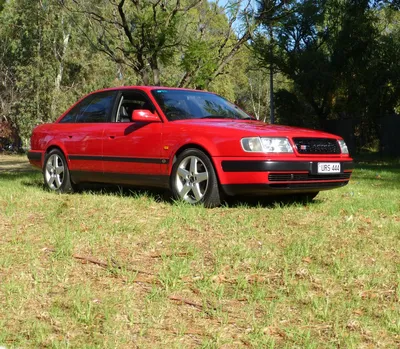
x,y
343,147
252,144
266,145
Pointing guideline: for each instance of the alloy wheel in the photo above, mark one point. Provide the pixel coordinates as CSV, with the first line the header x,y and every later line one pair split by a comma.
x,y
54,172
192,179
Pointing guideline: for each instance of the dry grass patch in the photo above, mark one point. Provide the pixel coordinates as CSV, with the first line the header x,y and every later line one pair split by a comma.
x,y
120,269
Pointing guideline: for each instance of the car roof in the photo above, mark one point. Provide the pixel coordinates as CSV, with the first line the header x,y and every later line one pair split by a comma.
x,y
148,88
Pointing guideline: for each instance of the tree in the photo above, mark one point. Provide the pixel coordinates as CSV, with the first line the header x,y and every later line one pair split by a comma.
x,y
42,57
193,36
214,41
299,53
340,59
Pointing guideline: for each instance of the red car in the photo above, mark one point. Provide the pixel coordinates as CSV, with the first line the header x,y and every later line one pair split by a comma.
x,y
195,143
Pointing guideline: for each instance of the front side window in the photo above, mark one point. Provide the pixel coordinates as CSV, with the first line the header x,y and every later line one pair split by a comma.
x,y
183,104
93,109
129,102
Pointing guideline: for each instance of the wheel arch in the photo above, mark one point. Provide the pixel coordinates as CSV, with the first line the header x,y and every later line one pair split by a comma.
x,y
198,147
56,146
61,149
50,148
212,194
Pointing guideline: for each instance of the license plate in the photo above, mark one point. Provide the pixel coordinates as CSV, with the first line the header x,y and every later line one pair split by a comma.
x,y
329,167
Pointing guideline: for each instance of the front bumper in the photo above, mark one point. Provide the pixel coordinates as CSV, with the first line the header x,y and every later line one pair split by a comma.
x,y
278,166
270,177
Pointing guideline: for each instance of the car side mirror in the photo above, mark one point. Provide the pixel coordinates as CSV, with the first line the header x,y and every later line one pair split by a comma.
x,y
144,115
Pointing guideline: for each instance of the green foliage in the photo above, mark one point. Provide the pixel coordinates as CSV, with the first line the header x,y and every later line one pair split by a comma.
x,y
46,66
332,59
53,52
198,60
340,56
291,110
180,43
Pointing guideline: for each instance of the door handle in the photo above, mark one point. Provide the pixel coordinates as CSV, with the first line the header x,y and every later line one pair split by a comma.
x,y
69,136
112,136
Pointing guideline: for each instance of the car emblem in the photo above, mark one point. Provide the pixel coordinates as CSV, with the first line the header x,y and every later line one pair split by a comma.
x,y
303,147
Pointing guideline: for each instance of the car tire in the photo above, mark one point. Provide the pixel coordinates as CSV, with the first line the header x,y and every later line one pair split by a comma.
x,y
56,172
193,179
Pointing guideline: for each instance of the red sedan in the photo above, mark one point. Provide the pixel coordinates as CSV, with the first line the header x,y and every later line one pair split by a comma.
x,y
195,143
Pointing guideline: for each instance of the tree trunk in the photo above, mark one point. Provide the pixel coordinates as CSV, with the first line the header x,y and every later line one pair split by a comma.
x,y
271,77
66,37
145,76
60,57
185,79
155,70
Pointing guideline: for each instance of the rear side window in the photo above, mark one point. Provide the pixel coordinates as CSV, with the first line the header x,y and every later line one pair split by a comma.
x,y
93,109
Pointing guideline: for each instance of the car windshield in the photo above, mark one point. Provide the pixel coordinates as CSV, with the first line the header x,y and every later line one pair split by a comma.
x,y
184,104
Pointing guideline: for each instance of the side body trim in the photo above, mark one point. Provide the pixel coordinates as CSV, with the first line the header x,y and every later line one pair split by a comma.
x,y
145,180
118,159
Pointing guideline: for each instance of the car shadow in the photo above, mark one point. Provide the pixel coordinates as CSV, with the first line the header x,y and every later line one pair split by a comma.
x,y
134,127
158,195
269,201
165,196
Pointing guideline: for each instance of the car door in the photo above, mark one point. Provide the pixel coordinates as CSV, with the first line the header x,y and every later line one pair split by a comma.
x,y
83,132
132,151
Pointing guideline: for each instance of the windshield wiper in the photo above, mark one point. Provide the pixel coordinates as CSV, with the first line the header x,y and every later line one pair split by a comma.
x,y
248,118
226,117
216,117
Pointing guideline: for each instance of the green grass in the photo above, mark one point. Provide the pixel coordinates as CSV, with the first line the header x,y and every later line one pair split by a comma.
x,y
321,275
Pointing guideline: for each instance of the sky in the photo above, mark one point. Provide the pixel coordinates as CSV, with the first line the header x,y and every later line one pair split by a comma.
x,y
224,2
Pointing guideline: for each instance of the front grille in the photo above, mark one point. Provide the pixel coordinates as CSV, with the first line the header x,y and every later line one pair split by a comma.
x,y
317,145
286,177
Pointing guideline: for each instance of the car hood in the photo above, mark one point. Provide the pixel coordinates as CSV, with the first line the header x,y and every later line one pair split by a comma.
x,y
253,128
